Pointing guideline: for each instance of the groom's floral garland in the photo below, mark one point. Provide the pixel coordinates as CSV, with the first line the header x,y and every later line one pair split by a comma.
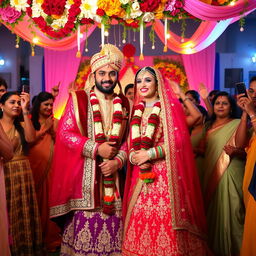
x,y
100,137
144,142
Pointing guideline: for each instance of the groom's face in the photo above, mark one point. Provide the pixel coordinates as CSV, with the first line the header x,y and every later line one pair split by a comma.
x,y
106,79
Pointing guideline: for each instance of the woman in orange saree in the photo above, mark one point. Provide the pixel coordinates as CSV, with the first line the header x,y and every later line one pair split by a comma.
x,y
248,105
40,157
163,206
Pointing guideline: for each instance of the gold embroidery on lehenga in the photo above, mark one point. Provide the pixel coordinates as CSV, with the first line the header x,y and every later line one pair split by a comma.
x,y
104,240
145,241
83,239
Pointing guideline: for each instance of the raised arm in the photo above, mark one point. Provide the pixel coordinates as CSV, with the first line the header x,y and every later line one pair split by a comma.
x,y
30,133
204,95
194,113
246,104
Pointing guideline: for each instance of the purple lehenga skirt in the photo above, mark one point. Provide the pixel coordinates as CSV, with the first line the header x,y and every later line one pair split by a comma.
x,y
92,234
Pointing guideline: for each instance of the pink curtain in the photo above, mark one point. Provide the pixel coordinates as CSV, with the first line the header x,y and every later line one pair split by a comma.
x,y
200,68
209,12
60,66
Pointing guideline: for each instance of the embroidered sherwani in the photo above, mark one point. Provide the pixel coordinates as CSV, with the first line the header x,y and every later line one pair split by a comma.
x,y
87,230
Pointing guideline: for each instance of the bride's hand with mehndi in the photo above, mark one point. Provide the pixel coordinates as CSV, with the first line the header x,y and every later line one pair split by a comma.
x,y
140,157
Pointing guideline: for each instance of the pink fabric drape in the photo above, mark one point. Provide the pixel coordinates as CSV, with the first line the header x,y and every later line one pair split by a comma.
x,y
200,68
60,67
24,28
209,12
205,35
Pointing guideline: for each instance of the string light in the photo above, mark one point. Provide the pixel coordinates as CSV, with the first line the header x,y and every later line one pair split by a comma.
x,y
168,36
17,42
106,33
35,40
242,29
232,3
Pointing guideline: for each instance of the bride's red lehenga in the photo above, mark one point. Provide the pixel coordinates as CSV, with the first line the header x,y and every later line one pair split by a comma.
x,y
166,217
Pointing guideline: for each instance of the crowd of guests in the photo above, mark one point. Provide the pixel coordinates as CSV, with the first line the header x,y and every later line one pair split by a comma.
x,y
175,202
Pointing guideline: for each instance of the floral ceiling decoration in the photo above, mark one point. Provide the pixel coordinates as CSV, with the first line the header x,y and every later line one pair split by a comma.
x,y
59,19
173,69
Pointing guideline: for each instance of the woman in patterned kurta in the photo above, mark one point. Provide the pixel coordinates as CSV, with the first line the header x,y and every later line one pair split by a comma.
x,y
165,217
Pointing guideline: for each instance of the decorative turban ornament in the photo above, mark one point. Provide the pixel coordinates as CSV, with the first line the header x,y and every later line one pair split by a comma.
x,y
109,55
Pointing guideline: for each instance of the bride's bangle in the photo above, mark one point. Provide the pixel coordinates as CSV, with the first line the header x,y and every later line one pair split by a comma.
x,y
130,157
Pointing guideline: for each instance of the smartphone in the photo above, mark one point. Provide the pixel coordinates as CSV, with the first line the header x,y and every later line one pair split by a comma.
x,y
240,88
25,88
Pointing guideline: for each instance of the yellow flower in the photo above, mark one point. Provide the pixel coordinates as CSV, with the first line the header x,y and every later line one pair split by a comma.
x,y
112,7
159,11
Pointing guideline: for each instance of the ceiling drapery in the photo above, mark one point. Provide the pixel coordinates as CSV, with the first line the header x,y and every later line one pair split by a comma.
x,y
215,19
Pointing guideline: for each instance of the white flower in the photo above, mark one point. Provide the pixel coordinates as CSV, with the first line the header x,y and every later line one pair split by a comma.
x,y
117,107
137,112
59,23
135,14
150,130
124,1
96,107
36,10
98,127
19,5
116,129
88,9
135,131
135,6
148,16
156,110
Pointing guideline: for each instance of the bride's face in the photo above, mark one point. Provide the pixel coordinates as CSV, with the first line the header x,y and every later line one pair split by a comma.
x,y
146,85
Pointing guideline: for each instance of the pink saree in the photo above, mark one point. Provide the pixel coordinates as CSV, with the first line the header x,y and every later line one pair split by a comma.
x,y
166,217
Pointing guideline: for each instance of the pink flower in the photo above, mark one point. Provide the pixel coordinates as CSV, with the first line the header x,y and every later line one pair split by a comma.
x,y
170,6
9,14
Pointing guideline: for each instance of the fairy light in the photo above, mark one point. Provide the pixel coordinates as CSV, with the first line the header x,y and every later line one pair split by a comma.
x,y
232,3
168,36
35,40
242,29
188,50
106,33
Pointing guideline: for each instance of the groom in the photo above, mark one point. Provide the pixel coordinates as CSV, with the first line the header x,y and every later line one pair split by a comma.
x,y
88,155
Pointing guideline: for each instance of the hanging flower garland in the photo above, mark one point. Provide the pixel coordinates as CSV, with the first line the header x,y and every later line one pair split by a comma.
x,y
100,137
172,70
144,141
83,73
55,18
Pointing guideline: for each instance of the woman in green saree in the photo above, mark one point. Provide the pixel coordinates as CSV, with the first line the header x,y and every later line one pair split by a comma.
x,y
222,177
